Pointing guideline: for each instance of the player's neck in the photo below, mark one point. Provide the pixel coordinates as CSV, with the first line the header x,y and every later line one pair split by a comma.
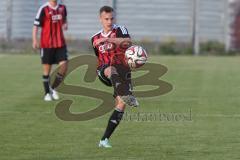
x,y
106,31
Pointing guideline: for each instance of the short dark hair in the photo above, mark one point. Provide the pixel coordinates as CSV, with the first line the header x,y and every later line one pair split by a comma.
x,y
107,9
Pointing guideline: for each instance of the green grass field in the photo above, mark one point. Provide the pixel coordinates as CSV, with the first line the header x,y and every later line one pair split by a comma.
x,y
208,86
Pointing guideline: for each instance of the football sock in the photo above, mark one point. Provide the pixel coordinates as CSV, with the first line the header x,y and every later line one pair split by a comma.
x,y
46,83
58,80
115,78
118,85
113,122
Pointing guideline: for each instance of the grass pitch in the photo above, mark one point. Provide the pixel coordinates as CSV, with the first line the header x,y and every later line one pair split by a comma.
x,y
206,89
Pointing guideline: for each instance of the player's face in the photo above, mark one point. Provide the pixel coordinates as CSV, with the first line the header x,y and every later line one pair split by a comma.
x,y
107,20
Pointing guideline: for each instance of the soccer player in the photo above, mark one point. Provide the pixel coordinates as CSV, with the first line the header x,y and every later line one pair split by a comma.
x,y
112,69
52,18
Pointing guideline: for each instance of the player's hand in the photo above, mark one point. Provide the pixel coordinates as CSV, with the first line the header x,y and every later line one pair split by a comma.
x,y
35,44
65,26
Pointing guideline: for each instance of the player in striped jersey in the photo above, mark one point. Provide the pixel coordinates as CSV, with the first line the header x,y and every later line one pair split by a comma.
x,y
52,18
112,69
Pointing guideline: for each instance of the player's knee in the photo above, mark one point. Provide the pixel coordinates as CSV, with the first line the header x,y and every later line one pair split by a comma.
x,y
121,106
109,71
63,67
63,63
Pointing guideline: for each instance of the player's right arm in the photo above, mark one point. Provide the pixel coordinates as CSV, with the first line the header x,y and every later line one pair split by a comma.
x,y
38,22
35,43
65,21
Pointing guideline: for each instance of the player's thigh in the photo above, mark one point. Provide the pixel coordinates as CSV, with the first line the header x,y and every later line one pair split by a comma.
x,y
109,71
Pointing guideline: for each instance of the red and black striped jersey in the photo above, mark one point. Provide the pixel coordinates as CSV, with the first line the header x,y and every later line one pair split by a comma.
x,y
51,20
108,47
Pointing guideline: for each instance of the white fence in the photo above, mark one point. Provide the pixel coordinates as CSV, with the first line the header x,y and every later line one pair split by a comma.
x,y
154,20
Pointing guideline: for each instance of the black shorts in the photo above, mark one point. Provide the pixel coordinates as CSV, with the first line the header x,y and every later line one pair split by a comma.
x,y
54,55
124,73
102,77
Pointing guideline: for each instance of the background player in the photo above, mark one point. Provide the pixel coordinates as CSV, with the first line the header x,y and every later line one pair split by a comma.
x,y
52,18
112,69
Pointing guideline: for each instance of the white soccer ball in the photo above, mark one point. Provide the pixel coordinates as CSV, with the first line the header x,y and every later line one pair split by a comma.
x,y
135,56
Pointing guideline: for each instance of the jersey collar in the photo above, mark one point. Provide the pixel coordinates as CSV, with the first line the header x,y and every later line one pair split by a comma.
x,y
107,34
52,7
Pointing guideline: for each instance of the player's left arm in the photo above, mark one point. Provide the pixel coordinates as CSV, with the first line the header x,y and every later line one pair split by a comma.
x,y
65,21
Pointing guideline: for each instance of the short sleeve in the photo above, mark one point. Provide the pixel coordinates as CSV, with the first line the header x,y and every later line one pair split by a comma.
x,y
65,14
39,17
122,32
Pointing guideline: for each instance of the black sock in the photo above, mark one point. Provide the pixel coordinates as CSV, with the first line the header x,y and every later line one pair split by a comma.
x,y
115,78
46,83
113,123
58,80
119,85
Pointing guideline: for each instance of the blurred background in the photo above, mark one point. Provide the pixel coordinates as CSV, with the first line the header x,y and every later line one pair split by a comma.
x,y
162,26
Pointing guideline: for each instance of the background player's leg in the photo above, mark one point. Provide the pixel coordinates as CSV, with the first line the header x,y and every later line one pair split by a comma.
x,y
46,72
60,75
59,78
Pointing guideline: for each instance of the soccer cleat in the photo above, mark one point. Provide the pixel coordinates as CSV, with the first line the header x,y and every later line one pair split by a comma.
x,y
130,100
55,95
104,143
47,97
